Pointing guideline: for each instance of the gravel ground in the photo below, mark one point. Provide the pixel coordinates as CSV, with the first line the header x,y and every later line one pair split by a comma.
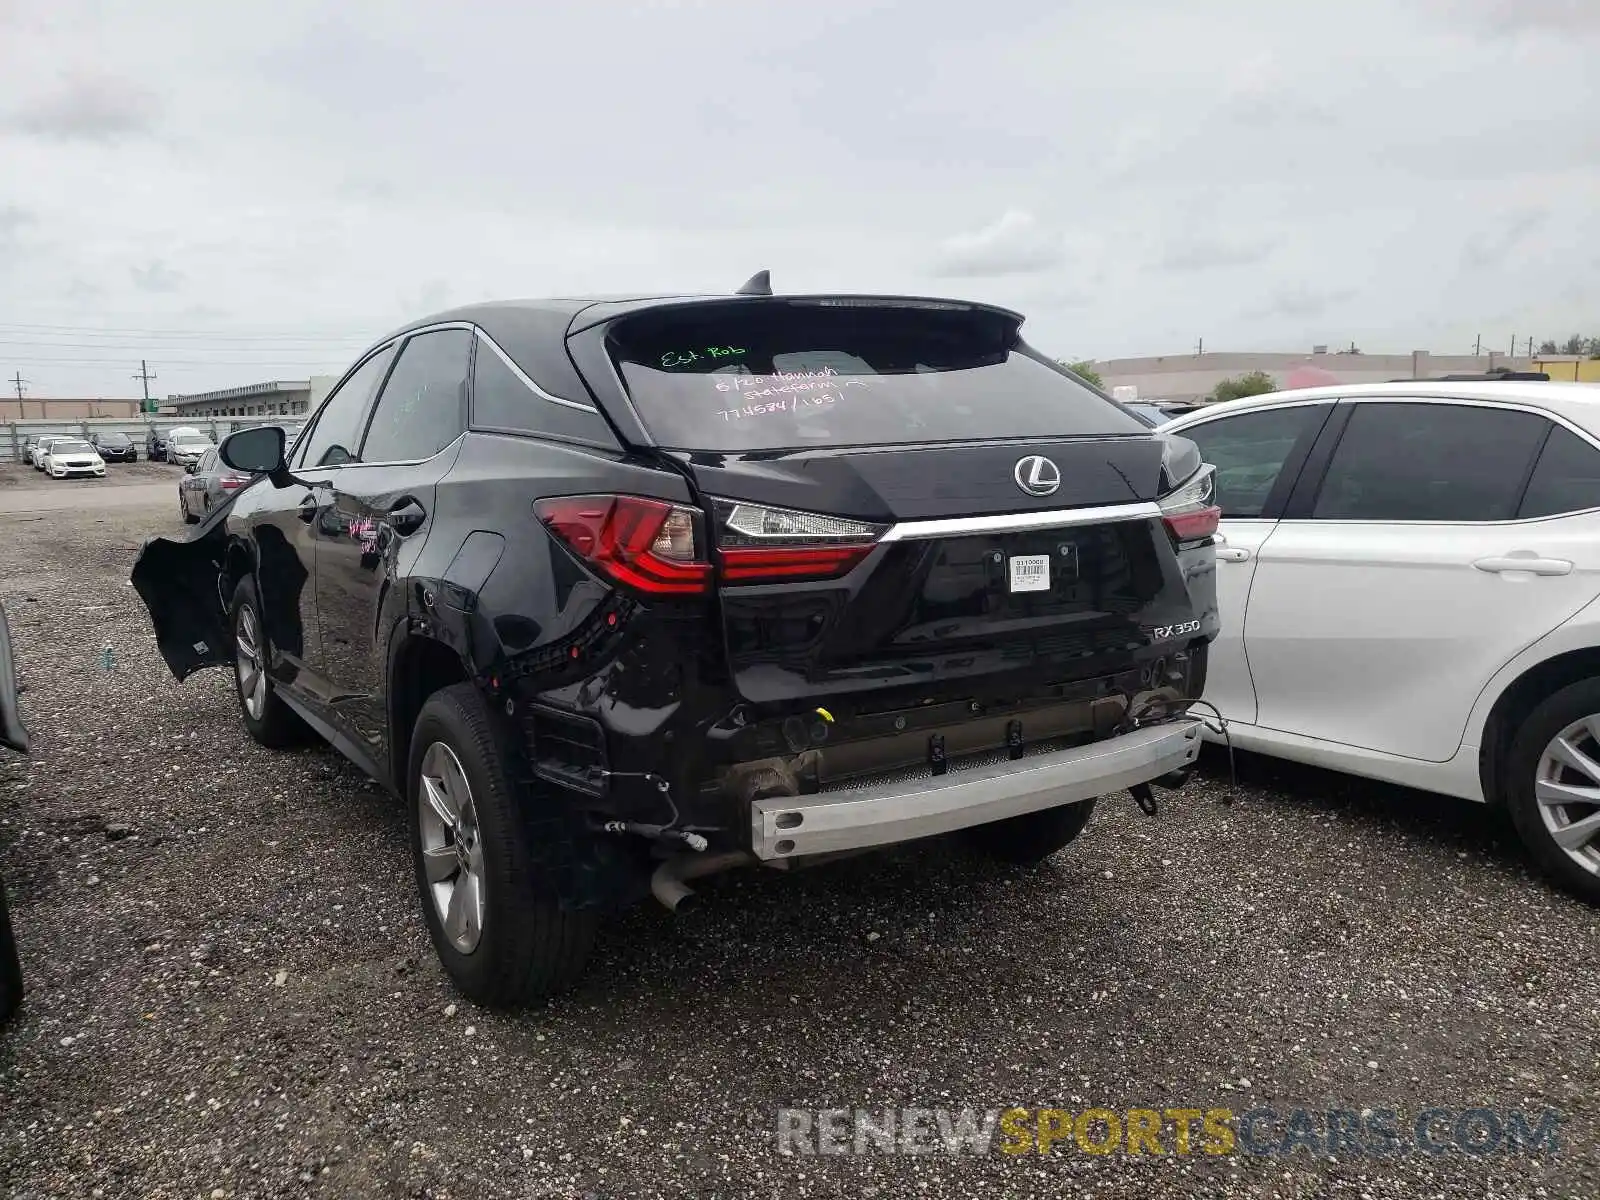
x,y
231,992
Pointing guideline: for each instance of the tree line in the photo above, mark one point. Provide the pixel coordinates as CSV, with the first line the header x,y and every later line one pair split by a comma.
x,y
1576,344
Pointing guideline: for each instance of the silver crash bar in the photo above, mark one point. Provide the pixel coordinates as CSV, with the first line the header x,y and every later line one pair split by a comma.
x,y
882,814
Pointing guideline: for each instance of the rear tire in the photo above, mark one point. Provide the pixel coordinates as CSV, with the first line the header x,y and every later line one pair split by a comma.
x,y
1555,752
267,719
1033,837
467,835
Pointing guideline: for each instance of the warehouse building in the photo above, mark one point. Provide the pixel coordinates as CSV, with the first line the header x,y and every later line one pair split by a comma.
x,y
279,398
43,408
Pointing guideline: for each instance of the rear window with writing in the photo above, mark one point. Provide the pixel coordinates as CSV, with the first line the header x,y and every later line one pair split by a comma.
x,y
775,375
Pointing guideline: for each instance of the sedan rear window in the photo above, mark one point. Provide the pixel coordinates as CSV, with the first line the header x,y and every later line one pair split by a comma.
x,y
769,375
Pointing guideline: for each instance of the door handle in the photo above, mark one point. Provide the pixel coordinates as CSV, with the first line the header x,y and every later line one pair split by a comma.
x,y
308,508
1533,565
407,516
1227,553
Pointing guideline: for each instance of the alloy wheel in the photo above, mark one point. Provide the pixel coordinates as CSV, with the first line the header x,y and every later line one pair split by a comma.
x,y
452,849
249,663
1567,791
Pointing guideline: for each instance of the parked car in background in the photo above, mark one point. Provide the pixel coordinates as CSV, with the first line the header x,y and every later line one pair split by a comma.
x,y
70,456
29,445
185,448
615,595
210,483
1409,578
42,447
157,440
14,737
114,447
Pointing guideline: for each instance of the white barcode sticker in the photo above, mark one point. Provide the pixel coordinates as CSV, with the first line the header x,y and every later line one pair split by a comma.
x,y
1030,573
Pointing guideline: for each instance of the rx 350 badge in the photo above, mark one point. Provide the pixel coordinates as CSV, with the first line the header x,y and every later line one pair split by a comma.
x,y
1162,632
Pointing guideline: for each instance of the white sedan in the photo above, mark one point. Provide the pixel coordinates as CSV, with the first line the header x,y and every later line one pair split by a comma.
x,y
1409,580
72,456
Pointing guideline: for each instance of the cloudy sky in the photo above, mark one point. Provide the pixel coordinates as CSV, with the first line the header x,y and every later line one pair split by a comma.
x,y
244,191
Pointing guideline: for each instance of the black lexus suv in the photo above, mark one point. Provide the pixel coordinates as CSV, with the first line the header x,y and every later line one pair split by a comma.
x,y
618,593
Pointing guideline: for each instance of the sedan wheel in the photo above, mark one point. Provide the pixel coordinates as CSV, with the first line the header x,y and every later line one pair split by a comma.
x,y
1551,786
1567,789
248,660
452,848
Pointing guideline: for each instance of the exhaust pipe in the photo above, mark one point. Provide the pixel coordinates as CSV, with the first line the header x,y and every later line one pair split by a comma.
x,y
667,883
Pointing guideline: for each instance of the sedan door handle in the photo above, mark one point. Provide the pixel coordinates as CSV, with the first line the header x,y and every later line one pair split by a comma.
x,y
407,516
1227,553
1516,562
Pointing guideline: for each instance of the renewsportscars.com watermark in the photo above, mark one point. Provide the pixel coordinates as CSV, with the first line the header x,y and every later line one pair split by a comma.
x,y
1342,1132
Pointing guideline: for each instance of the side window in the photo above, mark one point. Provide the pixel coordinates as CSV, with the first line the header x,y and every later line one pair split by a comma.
x,y
1565,479
423,406
1249,451
1429,462
335,435
501,400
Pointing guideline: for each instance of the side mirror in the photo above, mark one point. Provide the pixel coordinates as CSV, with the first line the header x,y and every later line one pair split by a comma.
x,y
189,470
258,451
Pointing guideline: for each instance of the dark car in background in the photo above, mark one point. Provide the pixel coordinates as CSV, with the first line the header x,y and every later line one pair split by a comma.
x,y
617,594
115,447
206,485
12,736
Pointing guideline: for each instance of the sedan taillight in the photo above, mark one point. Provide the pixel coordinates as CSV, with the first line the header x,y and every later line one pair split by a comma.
x,y
652,546
760,544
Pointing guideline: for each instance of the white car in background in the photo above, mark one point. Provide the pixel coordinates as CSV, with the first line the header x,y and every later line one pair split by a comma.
x,y
185,447
1409,581
65,457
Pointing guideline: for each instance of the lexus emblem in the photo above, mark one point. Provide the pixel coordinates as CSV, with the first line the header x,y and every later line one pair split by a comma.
x,y
1037,475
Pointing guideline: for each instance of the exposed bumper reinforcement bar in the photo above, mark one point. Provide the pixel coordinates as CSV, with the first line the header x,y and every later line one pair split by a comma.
x,y
880,815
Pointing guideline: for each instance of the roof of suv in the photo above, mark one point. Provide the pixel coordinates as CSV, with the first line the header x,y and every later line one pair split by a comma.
x,y
534,331
1578,402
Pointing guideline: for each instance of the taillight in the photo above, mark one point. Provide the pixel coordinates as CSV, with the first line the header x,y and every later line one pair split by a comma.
x,y
760,544
1189,511
649,545
229,482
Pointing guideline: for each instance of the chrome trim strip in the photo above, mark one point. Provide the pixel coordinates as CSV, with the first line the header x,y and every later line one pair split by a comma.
x,y
522,377
1059,518
883,814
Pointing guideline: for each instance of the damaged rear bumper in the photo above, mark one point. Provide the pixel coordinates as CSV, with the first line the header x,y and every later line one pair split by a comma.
x,y
881,814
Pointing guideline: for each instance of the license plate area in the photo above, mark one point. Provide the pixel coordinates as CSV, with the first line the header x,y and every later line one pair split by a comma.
x,y
1029,569
1028,573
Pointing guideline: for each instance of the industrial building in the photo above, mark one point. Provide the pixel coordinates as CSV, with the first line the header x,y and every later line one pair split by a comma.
x,y
279,398
43,408
1194,376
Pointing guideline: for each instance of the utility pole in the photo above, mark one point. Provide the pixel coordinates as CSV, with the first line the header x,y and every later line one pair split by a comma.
x,y
145,377
20,383
1477,346
1200,346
